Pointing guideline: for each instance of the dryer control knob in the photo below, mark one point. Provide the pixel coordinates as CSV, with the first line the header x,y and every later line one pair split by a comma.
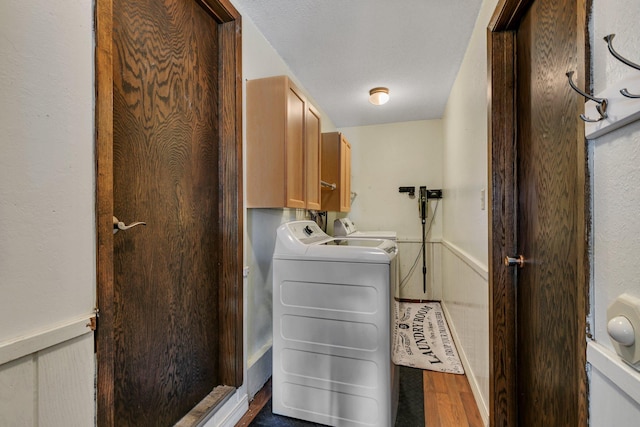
x,y
308,230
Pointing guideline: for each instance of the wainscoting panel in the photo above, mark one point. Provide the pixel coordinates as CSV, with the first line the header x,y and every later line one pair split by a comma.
x,y
615,382
50,387
17,391
412,279
466,305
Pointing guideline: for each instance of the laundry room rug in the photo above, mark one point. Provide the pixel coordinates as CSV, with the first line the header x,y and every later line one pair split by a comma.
x,y
422,338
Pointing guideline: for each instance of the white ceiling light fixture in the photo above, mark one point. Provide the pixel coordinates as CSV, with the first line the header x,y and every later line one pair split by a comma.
x,y
378,95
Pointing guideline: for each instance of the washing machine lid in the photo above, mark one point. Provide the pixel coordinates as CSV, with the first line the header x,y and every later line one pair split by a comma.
x,y
305,240
344,227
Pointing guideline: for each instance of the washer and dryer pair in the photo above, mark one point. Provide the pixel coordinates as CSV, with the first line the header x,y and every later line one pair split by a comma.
x,y
333,327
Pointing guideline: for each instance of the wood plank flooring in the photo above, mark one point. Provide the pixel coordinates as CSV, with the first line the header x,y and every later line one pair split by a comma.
x,y
448,402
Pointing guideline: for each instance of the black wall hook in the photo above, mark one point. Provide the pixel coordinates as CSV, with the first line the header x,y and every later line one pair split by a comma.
x,y
601,103
624,60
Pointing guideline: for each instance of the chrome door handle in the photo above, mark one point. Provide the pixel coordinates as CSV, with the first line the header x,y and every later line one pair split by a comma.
x,y
119,225
513,261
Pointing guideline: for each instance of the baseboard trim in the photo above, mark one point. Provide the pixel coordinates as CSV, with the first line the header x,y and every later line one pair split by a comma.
x,y
259,370
231,412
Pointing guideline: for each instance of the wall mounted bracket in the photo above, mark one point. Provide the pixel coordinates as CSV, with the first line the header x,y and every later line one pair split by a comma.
x,y
410,190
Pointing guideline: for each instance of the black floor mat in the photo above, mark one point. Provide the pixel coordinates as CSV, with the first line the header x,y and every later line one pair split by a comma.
x,y
410,405
268,419
411,399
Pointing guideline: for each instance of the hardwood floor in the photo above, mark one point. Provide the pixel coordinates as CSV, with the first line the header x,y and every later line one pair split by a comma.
x,y
448,402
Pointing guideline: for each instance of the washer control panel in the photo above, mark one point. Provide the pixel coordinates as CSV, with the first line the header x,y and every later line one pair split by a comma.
x,y
307,232
343,227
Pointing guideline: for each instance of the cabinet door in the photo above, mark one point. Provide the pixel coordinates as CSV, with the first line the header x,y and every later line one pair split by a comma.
x,y
295,153
312,148
345,175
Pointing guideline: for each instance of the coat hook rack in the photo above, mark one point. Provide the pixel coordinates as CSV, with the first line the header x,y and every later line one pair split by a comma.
x,y
624,60
601,103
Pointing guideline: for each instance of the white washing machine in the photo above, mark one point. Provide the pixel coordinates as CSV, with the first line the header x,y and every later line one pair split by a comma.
x,y
344,227
332,328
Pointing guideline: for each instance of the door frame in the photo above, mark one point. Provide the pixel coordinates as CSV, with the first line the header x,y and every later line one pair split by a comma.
x,y
502,171
230,203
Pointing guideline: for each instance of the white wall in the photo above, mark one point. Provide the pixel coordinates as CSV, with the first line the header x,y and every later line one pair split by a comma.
x,y
47,237
465,148
47,257
383,158
615,160
465,222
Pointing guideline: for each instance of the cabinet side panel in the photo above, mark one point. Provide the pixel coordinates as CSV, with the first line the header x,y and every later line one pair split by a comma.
x,y
330,170
336,169
266,142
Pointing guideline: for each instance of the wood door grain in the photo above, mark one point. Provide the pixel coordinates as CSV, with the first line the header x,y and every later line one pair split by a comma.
x,y
540,210
168,110
165,159
502,229
551,154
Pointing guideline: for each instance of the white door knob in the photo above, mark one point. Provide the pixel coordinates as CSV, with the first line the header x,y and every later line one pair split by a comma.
x,y
621,330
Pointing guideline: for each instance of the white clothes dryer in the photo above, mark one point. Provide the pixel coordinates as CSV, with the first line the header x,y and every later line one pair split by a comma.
x,y
344,227
332,328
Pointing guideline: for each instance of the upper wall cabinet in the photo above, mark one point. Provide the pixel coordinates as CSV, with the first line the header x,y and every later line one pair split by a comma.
x,y
336,169
283,146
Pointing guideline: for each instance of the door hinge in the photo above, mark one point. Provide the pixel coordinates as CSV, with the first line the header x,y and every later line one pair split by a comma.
x,y
588,328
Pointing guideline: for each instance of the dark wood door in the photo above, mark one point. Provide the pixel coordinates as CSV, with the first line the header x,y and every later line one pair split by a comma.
x,y
171,315
550,309
164,161
539,311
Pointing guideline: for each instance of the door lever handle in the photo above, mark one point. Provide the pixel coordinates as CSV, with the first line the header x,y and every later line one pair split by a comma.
x,y
119,225
513,261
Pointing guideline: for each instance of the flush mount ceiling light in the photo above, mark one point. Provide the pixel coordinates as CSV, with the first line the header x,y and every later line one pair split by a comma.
x,y
378,95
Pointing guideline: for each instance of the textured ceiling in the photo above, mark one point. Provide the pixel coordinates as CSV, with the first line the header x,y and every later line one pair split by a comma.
x,y
339,49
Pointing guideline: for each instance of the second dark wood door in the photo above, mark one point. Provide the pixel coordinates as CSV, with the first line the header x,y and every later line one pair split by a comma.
x,y
550,308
